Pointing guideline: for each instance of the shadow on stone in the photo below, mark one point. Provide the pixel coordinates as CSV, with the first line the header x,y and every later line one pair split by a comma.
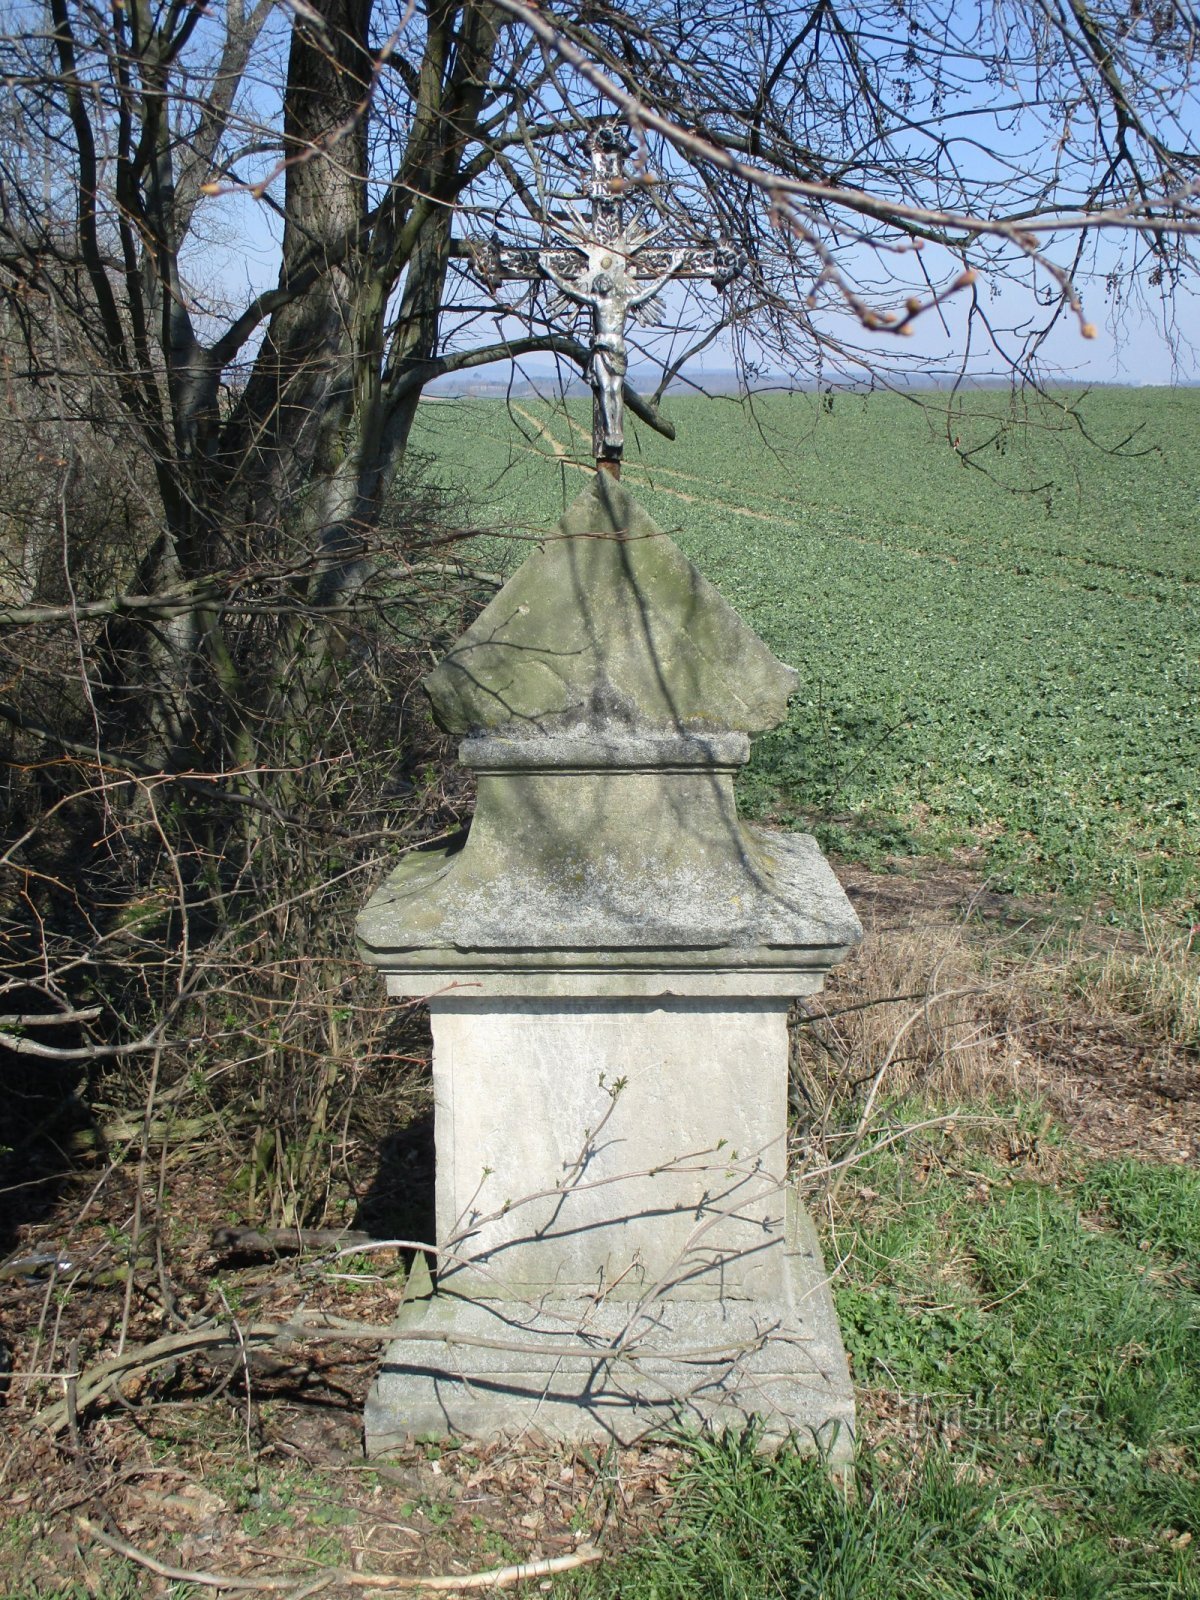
x,y
608,964
400,1201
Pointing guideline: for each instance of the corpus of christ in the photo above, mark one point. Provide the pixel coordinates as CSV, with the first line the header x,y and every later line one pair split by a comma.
x,y
615,265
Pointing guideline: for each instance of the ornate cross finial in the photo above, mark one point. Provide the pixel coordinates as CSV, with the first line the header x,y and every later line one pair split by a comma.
x,y
606,265
609,146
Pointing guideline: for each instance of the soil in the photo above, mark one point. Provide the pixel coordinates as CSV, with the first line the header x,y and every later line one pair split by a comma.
x,y
1115,1086
249,1462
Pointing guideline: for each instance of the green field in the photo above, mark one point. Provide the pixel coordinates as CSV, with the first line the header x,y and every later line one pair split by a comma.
x,y
1004,653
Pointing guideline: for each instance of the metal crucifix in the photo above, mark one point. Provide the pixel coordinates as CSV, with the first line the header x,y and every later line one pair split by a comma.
x,y
606,265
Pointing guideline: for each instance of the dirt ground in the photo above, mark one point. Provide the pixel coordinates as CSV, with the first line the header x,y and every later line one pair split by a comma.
x,y
247,1462
1116,1087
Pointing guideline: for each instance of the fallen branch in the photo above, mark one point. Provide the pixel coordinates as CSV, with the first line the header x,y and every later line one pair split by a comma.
x,y
297,1584
95,1381
284,1241
123,1130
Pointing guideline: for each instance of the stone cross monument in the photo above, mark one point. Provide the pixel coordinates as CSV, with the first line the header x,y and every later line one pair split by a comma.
x,y
607,265
608,958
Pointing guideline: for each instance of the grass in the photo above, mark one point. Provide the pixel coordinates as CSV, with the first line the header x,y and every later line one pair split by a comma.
x,y
756,1527
949,1006
1008,656
1157,980
1156,1208
1041,1368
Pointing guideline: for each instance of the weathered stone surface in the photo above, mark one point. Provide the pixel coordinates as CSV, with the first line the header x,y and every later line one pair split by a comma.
x,y
609,622
559,1371
655,863
647,975
603,746
626,862
642,1182
605,820
608,957
571,1211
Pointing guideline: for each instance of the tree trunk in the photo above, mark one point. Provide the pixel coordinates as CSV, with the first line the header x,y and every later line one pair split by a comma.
x,y
295,409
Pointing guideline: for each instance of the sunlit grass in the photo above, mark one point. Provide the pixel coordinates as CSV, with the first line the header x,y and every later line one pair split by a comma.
x,y
1037,1349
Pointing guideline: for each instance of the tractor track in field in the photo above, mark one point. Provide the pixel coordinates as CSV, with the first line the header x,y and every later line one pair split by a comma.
x,y
561,452
649,476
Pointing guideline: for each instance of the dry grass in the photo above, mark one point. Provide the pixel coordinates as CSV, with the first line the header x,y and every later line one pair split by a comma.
x,y
960,999
1155,983
913,1013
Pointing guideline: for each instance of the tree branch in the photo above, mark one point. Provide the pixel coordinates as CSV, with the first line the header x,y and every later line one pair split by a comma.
x,y
512,350
302,1583
145,771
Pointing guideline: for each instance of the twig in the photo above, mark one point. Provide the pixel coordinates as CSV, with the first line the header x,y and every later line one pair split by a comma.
x,y
888,1060
135,1231
234,1324
496,1578
96,1380
72,1400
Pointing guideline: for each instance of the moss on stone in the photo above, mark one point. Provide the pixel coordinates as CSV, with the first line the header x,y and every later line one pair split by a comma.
x,y
609,621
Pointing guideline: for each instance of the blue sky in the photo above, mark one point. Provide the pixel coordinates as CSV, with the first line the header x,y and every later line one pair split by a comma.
x,y
1140,341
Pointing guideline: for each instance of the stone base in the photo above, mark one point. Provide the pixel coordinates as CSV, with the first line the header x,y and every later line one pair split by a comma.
x,y
691,1364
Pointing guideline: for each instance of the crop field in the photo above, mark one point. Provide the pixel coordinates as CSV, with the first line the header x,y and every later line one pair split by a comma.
x,y
1002,651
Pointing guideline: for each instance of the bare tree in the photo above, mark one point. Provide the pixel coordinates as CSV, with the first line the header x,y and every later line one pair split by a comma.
x,y
231,258
870,158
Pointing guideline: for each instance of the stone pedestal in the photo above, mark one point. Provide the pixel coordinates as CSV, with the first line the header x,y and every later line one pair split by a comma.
x,y
579,1368
608,960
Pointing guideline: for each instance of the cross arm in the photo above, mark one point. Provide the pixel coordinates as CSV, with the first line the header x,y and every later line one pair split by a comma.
x,y
495,263
720,264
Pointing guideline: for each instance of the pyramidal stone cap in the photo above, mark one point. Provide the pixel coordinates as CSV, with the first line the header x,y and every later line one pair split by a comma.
x,y
609,622
606,697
